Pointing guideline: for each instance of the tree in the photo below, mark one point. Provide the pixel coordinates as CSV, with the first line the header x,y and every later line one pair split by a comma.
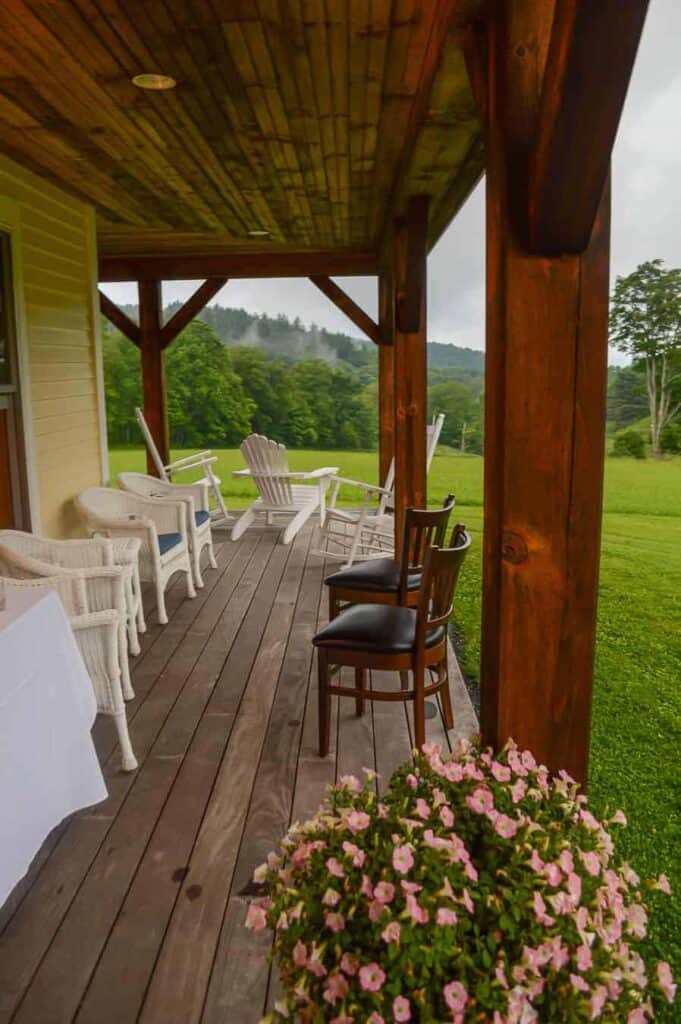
x,y
627,397
456,402
645,322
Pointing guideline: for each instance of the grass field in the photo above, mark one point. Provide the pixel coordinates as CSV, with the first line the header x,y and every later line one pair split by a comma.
x,y
636,736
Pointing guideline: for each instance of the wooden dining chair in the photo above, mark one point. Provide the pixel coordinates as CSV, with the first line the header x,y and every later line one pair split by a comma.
x,y
395,638
387,580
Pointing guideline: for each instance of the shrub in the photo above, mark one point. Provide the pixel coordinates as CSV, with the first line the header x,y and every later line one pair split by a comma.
x,y
629,442
476,889
670,439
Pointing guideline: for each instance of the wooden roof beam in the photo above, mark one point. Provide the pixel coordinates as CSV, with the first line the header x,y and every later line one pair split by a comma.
x,y
302,263
349,307
590,59
411,294
119,319
191,309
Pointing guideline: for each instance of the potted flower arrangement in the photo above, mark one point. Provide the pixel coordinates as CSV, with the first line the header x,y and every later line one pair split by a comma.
x,y
478,888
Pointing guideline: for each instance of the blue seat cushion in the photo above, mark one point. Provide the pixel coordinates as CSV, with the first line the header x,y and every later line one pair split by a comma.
x,y
201,517
166,541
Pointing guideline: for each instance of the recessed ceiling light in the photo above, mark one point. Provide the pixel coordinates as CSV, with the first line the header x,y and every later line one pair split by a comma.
x,y
258,233
153,81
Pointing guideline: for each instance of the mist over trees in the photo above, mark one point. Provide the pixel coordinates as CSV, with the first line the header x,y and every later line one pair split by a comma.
x,y
230,373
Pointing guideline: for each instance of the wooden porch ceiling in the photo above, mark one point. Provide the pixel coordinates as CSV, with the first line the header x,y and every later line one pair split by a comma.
x,y
311,120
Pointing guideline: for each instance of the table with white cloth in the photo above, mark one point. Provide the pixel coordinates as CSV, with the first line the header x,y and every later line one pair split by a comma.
x,y
48,764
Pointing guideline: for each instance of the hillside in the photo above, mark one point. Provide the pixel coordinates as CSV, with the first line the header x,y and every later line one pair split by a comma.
x,y
292,341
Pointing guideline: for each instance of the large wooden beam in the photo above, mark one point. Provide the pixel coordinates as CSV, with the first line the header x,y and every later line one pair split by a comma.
x,y
546,368
118,318
591,55
386,374
348,306
153,370
334,263
412,299
191,309
410,385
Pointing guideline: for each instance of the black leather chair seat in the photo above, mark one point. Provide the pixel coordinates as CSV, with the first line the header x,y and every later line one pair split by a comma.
x,y
376,576
377,628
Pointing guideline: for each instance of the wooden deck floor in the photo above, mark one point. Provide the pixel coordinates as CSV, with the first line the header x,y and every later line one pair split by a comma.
x,y
134,910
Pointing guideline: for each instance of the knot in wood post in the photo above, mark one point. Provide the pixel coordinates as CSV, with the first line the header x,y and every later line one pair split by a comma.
x,y
513,548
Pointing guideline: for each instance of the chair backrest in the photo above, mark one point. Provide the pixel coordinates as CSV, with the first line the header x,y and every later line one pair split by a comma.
x,y
440,575
105,503
269,468
139,483
68,554
151,444
71,590
433,431
423,529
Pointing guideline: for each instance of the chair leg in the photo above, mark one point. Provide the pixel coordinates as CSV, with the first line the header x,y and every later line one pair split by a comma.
x,y
161,602
196,567
360,684
446,696
297,523
404,680
419,707
243,522
128,759
211,555
126,683
324,703
191,589
333,604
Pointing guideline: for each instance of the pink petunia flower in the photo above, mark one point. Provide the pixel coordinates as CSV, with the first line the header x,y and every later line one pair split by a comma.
x,y
371,977
505,827
637,1016
334,867
256,918
410,886
518,790
331,898
446,816
584,958
445,916
314,964
358,821
343,1020
666,980
456,996
349,964
384,892
501,772
597,1001
422,809
554,876
578,983
417,913
350,782
391,932
375,1018
540,910
467,901
412,781
591,862
403,859
335,922
401,1009
336,988
480,801
300,954
663,885
366,888
356,855
376,910
619,818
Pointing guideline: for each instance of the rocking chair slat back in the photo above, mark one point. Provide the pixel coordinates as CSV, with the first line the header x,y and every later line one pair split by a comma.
x,y
440,575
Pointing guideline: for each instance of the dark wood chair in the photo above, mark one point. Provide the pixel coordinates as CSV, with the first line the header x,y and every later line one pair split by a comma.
x,y
395,638
387,580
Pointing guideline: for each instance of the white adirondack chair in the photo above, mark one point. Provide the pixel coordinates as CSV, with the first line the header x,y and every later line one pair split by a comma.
x,y
201,461
350,535
280,494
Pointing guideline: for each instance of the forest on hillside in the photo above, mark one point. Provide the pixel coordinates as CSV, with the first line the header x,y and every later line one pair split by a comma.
x,y
230,373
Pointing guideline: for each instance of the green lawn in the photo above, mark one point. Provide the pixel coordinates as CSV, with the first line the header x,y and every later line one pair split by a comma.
x,y
636,738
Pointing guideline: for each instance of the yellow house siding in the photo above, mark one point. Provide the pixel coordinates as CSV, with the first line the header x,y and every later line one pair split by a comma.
x,y
58,265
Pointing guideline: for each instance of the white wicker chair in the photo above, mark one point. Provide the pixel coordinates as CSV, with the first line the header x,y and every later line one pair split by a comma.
x,y
195,499
160,526
97,635
201,462
280,494
349,535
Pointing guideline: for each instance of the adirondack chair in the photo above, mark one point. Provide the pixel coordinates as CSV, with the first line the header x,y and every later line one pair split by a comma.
x,y
279,493
202,461
350,535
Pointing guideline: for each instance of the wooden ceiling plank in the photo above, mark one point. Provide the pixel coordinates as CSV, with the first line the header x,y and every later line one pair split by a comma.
x,y
339,64
349,307
90,105
303,263
585,85
191,309
359,44
378,58
317,46
119,319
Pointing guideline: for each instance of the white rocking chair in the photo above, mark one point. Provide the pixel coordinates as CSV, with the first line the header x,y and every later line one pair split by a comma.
x,y
202,461
349,535
279,494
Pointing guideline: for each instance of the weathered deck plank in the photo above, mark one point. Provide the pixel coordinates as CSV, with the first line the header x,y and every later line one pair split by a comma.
x,y
133,910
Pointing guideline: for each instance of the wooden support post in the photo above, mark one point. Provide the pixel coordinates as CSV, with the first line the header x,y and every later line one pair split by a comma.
x,y
546,368
410,368
348,306
386,374
153,371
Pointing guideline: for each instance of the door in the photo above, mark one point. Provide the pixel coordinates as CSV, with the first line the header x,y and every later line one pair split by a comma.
x,y
12,463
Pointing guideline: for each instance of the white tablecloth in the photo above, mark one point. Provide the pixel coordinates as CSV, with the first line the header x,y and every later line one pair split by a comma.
x,y
48,764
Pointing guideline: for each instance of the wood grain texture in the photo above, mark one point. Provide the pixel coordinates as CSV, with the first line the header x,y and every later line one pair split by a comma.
x,y
119,319
306,120
250,263
153,369
191,309
386,374
545,419
584,88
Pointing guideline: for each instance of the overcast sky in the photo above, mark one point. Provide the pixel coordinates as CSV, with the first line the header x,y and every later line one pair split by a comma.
x,y
646,212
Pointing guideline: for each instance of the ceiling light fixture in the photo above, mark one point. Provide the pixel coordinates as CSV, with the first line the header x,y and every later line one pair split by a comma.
x,y
258,233
154,81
